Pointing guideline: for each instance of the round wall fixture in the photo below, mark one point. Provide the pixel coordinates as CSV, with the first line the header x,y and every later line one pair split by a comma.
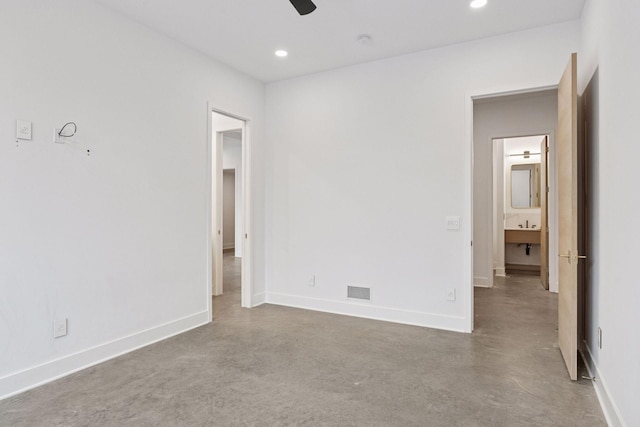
x,y
364,39
281,53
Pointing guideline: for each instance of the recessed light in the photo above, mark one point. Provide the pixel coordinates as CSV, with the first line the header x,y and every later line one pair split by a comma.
x,y
281,53
476,4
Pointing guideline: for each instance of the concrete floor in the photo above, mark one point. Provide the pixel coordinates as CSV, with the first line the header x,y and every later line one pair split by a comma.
x,y
278,366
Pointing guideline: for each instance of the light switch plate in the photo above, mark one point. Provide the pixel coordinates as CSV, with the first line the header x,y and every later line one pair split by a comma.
x,y
453,223
23,129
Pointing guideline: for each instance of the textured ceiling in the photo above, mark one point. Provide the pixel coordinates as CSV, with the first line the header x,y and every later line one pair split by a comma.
x,y
245,33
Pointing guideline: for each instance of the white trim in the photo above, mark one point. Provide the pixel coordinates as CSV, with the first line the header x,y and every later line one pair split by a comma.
x,y
467,256
38,375
552,206
470,97
609,408
208,286
500,271
369,311
217,202
247,223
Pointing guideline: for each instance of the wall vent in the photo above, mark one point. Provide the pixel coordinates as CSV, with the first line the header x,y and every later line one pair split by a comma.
x,y
358,292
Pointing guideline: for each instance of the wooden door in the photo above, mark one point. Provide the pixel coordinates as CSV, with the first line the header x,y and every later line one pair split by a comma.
x,y
567,169
544,212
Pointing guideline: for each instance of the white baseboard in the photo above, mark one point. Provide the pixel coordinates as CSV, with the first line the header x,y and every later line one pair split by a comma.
x,y
259,299
369,311
481,282
35,376
500,271
609,408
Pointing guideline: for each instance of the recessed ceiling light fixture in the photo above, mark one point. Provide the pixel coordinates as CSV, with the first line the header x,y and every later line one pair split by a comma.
x,y
281,53
477,4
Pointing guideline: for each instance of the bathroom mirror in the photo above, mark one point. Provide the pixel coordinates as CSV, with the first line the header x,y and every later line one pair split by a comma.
x,y
525,186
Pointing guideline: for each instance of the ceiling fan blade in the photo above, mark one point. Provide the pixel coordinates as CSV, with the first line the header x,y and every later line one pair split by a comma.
x,y
304,7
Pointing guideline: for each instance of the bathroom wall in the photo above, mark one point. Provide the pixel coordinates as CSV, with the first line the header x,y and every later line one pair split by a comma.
x,y
516,217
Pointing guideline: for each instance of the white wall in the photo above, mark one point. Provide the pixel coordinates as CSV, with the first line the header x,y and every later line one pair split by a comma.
x,y
348,203
509,116
609,67
116,241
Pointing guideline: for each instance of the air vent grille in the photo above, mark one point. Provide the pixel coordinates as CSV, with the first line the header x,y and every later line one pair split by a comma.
x,y
358,292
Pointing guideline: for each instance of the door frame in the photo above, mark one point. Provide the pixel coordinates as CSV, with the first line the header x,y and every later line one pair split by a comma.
x,y
215,146
550,136
469,170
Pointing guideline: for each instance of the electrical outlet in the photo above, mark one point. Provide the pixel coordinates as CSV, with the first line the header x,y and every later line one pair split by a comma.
x,y
312,281
451,294
23,129
59,328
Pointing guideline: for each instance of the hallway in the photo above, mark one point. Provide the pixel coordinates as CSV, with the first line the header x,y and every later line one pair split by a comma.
x,y
277,366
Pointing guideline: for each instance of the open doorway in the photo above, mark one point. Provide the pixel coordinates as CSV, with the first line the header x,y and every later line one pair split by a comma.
x,y
515,114
520,206
525,120
230,200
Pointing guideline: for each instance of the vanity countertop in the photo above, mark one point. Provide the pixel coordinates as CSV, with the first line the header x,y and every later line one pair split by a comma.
x,y
522,235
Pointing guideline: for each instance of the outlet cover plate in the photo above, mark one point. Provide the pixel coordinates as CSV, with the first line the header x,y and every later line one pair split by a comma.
x,y
23,130
59,328
451,294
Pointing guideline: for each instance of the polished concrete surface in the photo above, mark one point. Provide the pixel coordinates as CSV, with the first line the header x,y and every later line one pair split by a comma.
x,y
278,366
